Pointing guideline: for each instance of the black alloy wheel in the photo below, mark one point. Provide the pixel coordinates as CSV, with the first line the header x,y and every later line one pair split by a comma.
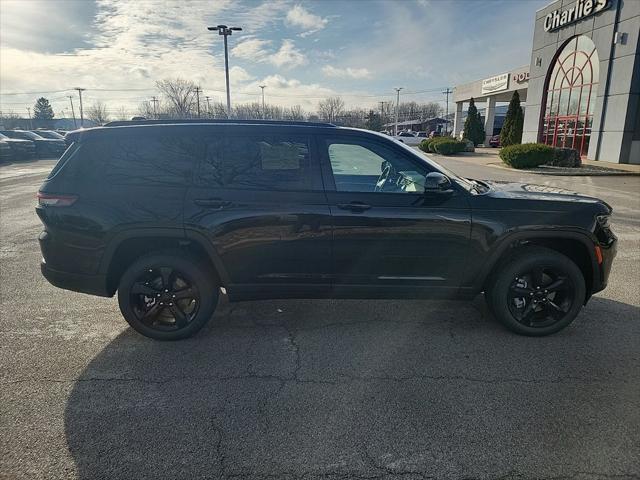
x,y
537,292
168,295
541,297
164,298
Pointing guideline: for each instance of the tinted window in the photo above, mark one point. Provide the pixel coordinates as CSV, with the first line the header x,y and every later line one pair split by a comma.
x,y
146,159
363,166
259,162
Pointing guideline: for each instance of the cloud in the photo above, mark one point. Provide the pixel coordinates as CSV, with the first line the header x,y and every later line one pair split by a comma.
x,y
251,49
298,16
288,56
348,72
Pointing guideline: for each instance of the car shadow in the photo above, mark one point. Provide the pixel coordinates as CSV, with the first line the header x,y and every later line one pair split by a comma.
x,y
346,388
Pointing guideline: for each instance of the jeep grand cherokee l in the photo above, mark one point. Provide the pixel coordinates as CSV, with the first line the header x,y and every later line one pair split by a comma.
x,y
167,214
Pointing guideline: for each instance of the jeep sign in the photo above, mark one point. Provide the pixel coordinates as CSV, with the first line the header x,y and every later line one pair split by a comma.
x,y
582,9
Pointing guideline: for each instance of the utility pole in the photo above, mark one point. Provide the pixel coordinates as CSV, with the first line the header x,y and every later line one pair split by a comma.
x,y
264,113
447,92
226,31
198,90
397,107
382,112
154,100
30,121
73,112
80,90
208,106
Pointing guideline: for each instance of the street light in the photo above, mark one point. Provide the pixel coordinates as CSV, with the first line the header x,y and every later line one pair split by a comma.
x,y
263,111
226,31
397,108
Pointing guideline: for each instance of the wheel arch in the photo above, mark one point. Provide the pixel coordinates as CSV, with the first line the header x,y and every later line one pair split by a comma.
x,y
578,247
127,246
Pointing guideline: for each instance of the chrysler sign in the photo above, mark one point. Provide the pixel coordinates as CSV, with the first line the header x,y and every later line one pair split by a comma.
x,y
495,84
581,9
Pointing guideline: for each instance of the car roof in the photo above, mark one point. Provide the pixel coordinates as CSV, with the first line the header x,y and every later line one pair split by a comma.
x,y
154,125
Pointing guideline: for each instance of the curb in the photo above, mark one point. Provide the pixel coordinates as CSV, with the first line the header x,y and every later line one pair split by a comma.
x,y
565,173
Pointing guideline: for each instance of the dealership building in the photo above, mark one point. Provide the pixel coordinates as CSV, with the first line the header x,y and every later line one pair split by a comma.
x,y
581,88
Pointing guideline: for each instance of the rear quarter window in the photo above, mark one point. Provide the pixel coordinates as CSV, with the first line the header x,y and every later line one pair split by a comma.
x,y
147,159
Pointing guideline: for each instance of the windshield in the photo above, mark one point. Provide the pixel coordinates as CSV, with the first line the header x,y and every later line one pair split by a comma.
x,y
22,135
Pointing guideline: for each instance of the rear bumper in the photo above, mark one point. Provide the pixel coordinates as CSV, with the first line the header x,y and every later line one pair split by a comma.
x,y
91,284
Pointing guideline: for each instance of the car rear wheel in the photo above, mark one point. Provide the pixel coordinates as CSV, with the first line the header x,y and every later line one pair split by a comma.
x,y
167,296
538,292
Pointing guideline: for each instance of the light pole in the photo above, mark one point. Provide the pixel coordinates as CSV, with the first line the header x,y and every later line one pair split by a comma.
x,y
264,113
397,107
30,121
226,31
80,90
208,107
447,92
73,112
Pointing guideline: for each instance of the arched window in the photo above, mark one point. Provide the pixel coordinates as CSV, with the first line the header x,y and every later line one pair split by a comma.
x,y
571,96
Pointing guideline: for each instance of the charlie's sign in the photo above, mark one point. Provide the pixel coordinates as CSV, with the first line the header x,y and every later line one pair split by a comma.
x,y
581,9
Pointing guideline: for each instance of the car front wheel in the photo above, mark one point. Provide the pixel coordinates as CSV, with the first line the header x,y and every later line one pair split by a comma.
x,y
538,292
167,296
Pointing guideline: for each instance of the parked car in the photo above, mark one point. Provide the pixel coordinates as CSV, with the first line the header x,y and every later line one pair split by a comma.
x,y
5,151
494,141
50,134
45,147
169,213
422,135
408,138
20,149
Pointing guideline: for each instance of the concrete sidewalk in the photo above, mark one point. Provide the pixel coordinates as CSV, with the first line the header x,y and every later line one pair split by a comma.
x,y
490,158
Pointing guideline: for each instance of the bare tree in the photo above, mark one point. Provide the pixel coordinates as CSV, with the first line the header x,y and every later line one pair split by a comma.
x,y
122,113
295,113
180,95
97,113
331,108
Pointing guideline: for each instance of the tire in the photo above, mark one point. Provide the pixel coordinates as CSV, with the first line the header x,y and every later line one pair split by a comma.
x,y
537,292
167,295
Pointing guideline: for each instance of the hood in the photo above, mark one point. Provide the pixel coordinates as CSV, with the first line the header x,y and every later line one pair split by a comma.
x,y
529,191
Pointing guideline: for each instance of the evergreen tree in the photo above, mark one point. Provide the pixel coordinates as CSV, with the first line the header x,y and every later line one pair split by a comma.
x,y
374,122
42,110
473,128
511,132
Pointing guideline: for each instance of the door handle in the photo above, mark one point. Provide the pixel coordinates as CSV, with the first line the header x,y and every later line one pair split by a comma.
x,y
212,202
354,206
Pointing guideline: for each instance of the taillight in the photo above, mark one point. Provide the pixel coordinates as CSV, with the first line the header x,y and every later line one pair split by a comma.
x,y
53,200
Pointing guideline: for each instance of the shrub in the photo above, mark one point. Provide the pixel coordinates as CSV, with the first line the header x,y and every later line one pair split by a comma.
x,y
565,157
424,144
448,146
527,155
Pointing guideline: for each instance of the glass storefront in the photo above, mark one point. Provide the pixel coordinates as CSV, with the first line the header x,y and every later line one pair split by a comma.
x,y
571,94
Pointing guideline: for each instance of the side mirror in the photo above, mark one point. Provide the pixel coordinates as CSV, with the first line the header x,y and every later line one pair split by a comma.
x,y
436,182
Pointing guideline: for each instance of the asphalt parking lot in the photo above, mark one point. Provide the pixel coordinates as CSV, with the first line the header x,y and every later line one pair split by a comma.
x,y
316,389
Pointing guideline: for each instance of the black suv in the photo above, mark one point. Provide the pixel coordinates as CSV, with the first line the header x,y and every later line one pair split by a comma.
x,y
169,214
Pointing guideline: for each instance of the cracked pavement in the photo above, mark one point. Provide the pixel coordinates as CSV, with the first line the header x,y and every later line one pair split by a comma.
x,y
321,389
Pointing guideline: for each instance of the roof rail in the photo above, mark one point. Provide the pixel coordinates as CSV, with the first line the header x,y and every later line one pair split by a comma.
x,y
210,121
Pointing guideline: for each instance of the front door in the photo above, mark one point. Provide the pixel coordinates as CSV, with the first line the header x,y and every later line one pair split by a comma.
x,y
387,232
258,197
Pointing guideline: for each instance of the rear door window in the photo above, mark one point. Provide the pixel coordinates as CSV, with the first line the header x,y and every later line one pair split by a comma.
x,y
260,162
149,159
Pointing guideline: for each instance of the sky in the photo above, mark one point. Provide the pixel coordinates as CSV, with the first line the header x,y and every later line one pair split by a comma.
x,y
302,51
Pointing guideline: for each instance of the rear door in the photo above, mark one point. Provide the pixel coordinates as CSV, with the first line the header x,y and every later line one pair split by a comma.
x,y
391,235
258,197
